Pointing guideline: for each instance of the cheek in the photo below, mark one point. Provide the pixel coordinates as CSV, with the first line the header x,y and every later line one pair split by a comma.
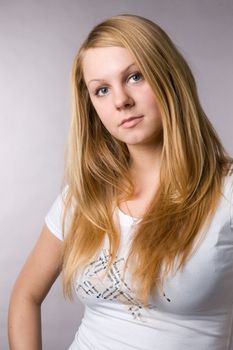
x,y
104,116
147,96
152,102
99,110
103,111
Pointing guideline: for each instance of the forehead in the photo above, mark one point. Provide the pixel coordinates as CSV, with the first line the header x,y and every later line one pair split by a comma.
x,y
105,62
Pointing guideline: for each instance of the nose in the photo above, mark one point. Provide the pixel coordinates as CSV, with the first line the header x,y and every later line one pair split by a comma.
x,y
122,99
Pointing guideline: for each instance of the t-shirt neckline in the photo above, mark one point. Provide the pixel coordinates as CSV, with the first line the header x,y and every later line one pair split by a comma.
x,y
127,219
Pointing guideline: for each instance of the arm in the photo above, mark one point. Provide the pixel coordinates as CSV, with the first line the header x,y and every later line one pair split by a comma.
x,y
32,285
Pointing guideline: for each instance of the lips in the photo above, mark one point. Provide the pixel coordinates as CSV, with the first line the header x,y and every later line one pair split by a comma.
x,y
130,123
130,118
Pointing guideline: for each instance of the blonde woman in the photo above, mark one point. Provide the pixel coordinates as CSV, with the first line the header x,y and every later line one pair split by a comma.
x,y
143,227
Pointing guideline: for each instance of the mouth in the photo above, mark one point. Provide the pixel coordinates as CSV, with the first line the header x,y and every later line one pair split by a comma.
x,y
130,122
130,119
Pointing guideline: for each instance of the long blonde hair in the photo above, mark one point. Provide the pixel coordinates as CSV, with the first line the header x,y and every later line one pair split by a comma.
x,y
193,163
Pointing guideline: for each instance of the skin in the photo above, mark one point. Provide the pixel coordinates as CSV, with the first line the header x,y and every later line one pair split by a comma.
x,y
32,285
117,91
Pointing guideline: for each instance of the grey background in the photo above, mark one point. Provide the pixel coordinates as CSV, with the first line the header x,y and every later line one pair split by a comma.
x,y
38,40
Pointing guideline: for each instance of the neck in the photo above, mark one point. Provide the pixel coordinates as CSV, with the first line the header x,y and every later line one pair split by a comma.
x,y
145,161
145,169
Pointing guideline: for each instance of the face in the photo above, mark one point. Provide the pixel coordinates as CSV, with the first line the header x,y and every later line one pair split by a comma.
x,y
122,98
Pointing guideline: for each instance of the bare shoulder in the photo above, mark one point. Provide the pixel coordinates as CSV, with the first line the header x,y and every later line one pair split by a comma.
x,y
41,268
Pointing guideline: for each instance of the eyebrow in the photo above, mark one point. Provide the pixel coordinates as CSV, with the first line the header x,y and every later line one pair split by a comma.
x,y
122,72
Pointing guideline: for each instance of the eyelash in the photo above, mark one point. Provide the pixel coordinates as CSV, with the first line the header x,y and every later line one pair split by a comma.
x,y
104,87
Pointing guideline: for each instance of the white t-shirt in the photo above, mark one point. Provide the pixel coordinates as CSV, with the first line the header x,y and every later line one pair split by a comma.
x,y
194,311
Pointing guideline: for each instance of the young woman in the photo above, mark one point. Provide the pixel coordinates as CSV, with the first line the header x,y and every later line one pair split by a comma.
x,y
143,227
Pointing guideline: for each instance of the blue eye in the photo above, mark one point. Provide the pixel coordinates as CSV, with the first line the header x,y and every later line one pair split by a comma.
x,y
101,91
136,77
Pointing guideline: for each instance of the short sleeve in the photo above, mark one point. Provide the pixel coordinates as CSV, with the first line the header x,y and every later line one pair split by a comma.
x,y
231,208
229,194
53,218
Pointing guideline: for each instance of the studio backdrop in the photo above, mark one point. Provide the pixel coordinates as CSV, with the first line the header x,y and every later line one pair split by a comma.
x,y
38,41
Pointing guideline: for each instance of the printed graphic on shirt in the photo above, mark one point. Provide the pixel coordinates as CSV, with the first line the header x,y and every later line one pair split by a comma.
x,y
112,287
